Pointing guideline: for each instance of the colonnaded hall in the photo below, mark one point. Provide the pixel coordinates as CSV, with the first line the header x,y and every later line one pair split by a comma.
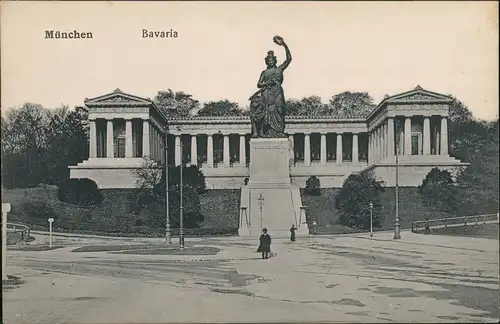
x,y
124,128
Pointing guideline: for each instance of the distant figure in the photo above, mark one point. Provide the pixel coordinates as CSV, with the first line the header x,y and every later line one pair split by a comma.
x,y
427,227
246,181
265,244
292,233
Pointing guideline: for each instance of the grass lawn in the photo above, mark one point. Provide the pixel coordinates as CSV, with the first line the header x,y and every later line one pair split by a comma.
x,y
411,208
35,247
174,251
219,207
149,249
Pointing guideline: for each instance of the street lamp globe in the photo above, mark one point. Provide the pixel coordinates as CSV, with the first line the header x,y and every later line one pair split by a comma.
x,y
261,200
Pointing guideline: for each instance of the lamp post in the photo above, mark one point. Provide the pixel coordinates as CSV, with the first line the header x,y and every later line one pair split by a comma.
x,y
168,234
397,229
181,208
371,219
261,204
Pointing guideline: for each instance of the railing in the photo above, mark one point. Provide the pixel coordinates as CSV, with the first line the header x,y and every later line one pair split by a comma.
x,y
244,221
454,221
18,228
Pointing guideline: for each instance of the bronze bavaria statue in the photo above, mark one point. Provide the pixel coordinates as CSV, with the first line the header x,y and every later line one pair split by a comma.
x,y
267,105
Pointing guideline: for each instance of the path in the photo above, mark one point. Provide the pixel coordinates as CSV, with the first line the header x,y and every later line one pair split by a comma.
x,y
350,278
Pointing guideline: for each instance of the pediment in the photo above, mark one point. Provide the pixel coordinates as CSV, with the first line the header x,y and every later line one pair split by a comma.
x,y
419,95
117,97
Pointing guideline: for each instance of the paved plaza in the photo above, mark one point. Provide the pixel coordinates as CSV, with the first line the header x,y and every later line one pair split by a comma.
x,y
348,278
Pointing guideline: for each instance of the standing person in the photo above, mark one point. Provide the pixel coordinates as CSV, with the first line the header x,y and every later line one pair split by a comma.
x,y
292,233
427,227
265,244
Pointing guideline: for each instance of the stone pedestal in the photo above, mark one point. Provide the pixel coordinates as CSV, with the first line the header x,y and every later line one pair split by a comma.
x,y
279,206
270,163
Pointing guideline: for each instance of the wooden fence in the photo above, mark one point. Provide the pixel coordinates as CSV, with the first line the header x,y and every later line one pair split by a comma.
x,y
417,226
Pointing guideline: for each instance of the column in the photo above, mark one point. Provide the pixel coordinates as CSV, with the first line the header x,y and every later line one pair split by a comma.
x,y
339,148
375,145
178,150
93,139
226,157
437,140
427,136
155,152
307,150
145,138
128,138
407,149
323,149
109,139
157,144
444,136
210,150
194,150
243,150
384,140
355,150
390,137
290,139
370,147
153,142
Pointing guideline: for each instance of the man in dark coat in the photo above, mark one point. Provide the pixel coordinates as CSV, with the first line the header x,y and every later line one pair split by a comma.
x,y
265,244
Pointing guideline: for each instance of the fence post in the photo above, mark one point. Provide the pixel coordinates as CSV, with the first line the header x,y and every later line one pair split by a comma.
x,y
5,210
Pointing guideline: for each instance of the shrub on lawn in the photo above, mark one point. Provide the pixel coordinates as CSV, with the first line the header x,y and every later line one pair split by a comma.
x,y
313,186
353,201
79,192
36,212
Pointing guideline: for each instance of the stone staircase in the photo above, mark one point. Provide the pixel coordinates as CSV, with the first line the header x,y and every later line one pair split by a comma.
x,y
280,209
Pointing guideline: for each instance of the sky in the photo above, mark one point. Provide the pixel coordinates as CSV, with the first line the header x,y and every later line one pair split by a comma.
x,y
375,47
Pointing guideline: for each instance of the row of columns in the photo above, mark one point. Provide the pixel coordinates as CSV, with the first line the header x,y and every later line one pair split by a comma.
x,y
210,150
323,157
381,141
242,148
153,142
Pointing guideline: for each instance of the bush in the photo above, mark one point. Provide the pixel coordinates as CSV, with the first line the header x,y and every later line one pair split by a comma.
x,y
79,192
353,201
438,189
37,212
313,186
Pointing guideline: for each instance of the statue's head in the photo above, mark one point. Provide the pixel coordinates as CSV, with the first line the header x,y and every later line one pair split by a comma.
x,y
271,59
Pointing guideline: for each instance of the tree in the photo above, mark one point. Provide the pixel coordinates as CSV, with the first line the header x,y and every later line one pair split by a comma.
x,y
150,180
459,112
221,108
351,104
24,145
67,141
478,183
353,201
38,144
438,190
307,106
176,104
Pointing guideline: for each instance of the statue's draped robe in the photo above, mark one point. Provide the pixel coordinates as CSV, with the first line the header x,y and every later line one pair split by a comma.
x,y
269,107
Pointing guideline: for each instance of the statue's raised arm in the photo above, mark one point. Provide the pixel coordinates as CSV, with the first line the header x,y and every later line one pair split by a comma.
x,y
279,40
